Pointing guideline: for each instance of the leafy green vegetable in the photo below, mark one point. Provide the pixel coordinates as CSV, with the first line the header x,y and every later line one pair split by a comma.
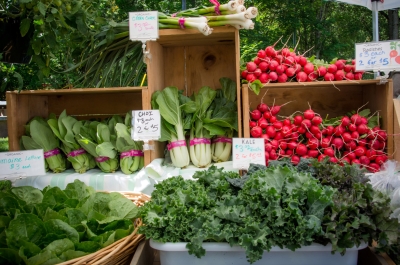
x,y
54,225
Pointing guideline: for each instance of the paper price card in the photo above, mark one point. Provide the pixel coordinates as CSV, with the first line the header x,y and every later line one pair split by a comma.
x,y
246,151
22,163
379,56
146,125
143,25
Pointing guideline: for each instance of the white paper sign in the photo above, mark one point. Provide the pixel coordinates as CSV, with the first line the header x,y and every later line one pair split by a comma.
x,y
246,151
380,56
146,125
143,25
22,164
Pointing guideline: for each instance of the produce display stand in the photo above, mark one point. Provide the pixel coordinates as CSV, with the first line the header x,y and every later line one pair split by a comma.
x,y
189,60
329,99
396,130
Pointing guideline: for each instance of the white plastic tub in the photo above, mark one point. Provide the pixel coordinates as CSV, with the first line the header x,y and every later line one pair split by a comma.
x,y
223,254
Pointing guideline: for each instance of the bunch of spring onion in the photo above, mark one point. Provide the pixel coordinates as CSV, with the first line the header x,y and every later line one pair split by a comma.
x,y
66,128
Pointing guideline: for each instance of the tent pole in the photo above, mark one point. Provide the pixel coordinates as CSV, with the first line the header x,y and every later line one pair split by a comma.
x,y
375,33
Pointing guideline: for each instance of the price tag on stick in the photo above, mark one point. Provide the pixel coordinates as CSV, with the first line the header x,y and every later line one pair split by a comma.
x,y
246,151
14,165
146,126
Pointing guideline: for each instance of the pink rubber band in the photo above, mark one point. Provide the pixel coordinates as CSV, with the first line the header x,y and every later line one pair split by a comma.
x,y
132,153
176,144
217,4
77,152
196,141
182,22
101,158
51,153
173,15
222,140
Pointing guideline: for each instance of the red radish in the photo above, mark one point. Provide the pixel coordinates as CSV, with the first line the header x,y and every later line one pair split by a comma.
x,y
256,132
321,71
265,137
382,145
301,76
345,160
278,136
271,132
273,118
312,76
339,64
283,145
297,120
266,157
362,142
321,157
351,145
301,149
349,155
252,124
316,120
356,119
345,121
255,115
380,160
295,160
339,75
278,58
313,153
353,62
257,60
364,160
339,130
329,77
293,54
309,114
280,69
261,54
263,123
251,66
302,130
382,135
364,120
272,65
333,159
314,129
278,125
347,137
289,152
251,77
275,109
360,151
397,59
268,147
302,60
290,72
273,155
337,142
267,115
358,75
332,68
309,135
374,144
352,127
275,144
289,60
329,152
285,52
362,129
371,154
308,68
313,143
257,72
270,51
306,123
282,78
348,68
273,76
355,135
287,122
349,76
297,67
264,78
329,130
355,161
373,167
262,107
286,130
292,145
325,142
244,74
263,66
281,153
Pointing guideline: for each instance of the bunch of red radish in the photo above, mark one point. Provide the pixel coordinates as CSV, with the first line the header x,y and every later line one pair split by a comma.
x,y
351,141
284,65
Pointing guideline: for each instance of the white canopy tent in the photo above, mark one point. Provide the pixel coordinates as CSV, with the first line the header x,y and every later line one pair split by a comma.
x,y
375,6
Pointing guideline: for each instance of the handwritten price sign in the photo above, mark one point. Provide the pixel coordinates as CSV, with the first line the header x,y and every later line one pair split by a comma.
x,y
380,56
146,125
22,163
143,25
246,151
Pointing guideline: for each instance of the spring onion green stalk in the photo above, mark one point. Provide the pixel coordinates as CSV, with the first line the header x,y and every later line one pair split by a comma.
x,y
131,151
65,128
173,123
43,137
195,12
243,16
201,25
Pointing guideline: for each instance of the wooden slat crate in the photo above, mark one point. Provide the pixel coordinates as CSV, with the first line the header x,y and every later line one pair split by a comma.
x,y
330,99
189,60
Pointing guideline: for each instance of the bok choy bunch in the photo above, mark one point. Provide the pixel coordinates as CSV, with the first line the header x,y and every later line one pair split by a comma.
x,y
223,112
66,128
131,152
42,137
95,138
173,123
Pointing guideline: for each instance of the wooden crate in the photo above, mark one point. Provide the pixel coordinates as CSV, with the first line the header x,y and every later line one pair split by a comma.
x,y
189,60
88,103
396,130
326,98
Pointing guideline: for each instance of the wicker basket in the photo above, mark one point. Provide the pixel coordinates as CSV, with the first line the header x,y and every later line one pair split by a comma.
x,y
120,252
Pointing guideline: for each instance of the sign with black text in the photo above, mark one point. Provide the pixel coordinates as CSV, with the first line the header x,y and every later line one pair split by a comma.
x,y
246,151
143,25
22,163
378,56
146,125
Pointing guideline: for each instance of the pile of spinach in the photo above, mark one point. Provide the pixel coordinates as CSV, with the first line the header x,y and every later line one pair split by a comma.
x,y
53,225
280,205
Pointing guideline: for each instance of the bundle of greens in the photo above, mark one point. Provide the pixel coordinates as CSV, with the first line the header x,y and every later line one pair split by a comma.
x,y
131,152
51,226
281,205
40,136
66,128
96,138
173,123
223,113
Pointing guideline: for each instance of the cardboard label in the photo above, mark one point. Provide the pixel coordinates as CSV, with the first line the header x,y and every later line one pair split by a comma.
x,y
378,56
246,151
146,125
22,163
143,25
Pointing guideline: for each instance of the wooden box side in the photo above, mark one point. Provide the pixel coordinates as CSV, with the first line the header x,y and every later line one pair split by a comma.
x,y
396,129
21,109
